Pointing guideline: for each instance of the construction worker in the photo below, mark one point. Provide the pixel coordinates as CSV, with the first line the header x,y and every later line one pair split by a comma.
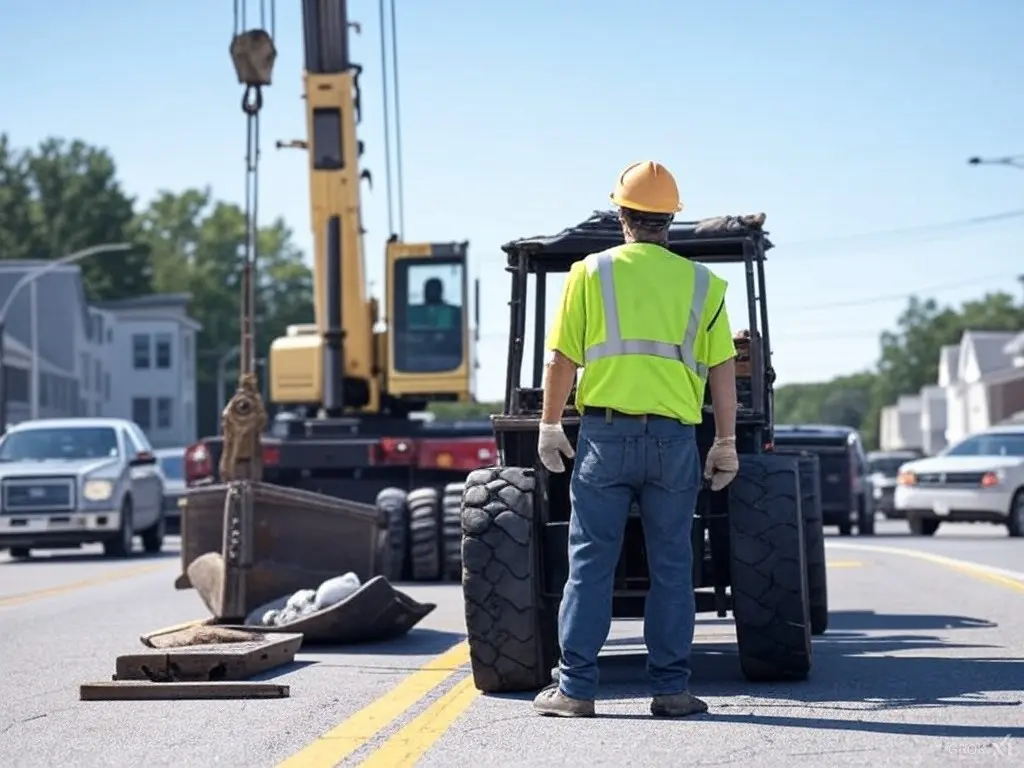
x,y
650,330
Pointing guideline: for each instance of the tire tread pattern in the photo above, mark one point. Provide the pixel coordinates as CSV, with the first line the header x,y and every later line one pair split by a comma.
x,y
425,534
512,647
769,579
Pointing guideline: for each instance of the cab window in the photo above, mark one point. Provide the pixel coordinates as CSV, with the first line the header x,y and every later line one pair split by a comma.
x,y
429,315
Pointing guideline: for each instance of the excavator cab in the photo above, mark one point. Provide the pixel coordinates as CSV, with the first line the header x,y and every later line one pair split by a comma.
x,y
429,346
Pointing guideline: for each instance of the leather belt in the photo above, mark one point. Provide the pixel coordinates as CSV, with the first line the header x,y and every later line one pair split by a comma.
x,y
611,413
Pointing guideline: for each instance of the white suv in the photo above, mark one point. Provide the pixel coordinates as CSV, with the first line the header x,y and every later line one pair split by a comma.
x,y
978,480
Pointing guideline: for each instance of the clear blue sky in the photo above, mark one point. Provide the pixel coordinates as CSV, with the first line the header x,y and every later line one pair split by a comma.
x,y
835,118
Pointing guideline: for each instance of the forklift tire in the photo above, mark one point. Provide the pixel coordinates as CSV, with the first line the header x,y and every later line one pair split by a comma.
x,y
769,570
510,626
391,501
814,542
425,534
451,519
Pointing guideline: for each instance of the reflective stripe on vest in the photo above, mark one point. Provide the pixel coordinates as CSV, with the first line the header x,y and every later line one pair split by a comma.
x,y
614,344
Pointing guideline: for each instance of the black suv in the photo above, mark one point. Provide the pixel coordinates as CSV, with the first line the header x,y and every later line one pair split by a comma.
x,y
845,490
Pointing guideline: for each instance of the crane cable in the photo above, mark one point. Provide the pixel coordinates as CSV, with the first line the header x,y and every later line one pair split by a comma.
x,y
395,193
387,115
244,417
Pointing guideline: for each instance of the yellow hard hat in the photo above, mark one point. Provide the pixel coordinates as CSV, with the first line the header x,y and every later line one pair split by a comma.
x,y
649,187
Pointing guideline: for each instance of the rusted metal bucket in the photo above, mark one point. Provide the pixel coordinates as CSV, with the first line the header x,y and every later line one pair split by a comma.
x,y
272,541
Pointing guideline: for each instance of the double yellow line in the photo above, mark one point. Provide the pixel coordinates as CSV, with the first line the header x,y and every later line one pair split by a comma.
x,y
409,743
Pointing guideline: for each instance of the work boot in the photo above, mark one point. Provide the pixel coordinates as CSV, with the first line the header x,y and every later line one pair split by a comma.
x,y
553,702
677,705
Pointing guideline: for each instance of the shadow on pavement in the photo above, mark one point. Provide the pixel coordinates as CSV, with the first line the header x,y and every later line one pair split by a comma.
x,y
418,642
854,672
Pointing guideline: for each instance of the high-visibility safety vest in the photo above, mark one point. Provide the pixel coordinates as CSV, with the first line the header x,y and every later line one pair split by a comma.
x,y
646,337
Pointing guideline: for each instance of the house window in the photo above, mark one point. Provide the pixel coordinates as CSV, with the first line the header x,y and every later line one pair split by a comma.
x,y
141,407
106,386
99,376
86,370
17,384
110,335
140,350
163,413
186,354
163,350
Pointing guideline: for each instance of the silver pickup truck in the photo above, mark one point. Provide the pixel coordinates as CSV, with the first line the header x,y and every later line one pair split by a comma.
x,y
69,482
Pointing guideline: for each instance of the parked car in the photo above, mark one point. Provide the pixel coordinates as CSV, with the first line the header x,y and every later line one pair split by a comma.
x,y
977,480
883,469
845,498
172,465
69,482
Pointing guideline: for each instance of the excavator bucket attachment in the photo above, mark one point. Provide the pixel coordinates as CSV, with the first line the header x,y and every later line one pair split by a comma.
x,y
245,543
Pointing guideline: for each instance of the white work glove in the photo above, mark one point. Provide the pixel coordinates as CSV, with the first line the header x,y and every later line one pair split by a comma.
x,y
722,463
552,444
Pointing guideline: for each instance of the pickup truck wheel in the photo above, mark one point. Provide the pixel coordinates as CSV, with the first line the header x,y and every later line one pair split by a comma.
x,y
20,553
845,528
425,534
123,542
922,526
865,518
153,537
1015,523
451,524
768,570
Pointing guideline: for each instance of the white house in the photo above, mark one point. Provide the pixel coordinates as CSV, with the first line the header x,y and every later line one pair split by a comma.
x,y
153,361
933,419
900,427
985,387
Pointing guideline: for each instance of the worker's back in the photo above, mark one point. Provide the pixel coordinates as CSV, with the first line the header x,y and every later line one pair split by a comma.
x,y
659,297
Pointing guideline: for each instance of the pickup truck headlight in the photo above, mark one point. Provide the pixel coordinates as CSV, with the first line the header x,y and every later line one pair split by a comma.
x,y
97,490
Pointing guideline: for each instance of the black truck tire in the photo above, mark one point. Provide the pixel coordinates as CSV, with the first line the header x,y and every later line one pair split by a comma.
x,y
510,626
865,517
769,571
814,542
451,525
425,534
391,501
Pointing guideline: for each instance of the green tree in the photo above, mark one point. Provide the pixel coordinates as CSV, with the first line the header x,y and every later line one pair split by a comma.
x,y
62,197
197,246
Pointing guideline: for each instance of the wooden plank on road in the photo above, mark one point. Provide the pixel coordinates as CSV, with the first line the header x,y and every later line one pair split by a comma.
x,y
137,690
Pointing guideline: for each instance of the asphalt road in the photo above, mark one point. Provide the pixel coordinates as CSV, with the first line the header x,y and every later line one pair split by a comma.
x,y
922,665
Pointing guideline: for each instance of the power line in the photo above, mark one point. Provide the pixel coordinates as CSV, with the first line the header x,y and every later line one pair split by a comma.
x,y
886,298
919,229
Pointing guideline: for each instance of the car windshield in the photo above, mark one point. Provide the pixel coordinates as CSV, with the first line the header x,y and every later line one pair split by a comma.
x,y
173,467
993,444
888,466
67,444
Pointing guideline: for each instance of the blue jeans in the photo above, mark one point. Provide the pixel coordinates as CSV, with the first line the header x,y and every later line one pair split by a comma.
x,y
656,462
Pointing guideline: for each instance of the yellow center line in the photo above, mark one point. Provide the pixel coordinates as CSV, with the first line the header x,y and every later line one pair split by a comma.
x,y
405,748
348,736
977,570
63,589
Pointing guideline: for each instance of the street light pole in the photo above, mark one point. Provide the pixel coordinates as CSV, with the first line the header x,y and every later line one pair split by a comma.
x,y
31,277
1011,161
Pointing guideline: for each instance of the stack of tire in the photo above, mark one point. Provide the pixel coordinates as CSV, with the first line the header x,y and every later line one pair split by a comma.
x,y
424,532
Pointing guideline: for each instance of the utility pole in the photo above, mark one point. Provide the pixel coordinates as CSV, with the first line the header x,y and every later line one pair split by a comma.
x,y
26,279
1011,161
